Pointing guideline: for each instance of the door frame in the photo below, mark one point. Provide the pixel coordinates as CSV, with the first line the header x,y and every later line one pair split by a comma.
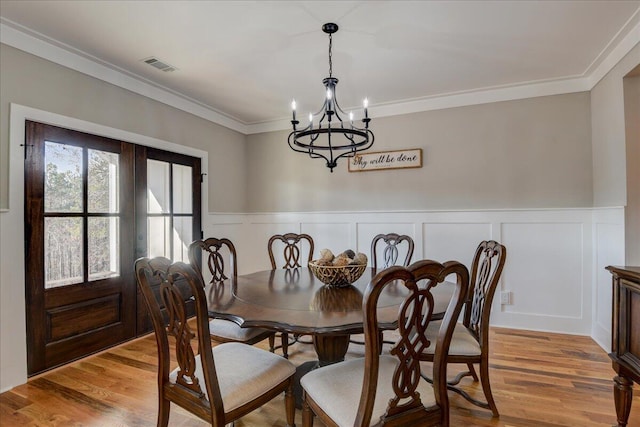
x,y
13,321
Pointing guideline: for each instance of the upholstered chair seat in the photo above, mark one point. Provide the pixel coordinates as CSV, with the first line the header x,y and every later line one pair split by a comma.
x,y
244,373
336,388
463,342
228,331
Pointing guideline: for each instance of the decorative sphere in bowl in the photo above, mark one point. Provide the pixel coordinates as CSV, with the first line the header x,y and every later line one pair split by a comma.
x,y
337,275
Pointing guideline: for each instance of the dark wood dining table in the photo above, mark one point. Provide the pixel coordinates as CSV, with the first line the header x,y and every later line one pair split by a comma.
x,y
296,302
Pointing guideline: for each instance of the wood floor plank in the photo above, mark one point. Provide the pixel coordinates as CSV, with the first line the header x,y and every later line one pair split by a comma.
x,y
538,379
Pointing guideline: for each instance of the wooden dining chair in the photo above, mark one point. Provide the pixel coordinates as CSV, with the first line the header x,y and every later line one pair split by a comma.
x,y
387,389
292,248
470,342
393,244
220,384
216,252
388,247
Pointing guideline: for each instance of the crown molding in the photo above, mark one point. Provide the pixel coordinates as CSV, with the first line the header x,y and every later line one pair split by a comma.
x,y
619,51
39,45
452,100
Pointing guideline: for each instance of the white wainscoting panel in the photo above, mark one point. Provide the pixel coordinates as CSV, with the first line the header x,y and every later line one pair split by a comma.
x,y
555,257
453,241
544,269
336,236
608,233
444,241
548,270
230,230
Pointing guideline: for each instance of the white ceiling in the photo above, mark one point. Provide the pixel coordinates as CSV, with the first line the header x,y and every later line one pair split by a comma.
x,y
244,61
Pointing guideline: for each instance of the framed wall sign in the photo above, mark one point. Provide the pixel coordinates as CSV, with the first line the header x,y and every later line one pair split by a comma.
x,y
382,160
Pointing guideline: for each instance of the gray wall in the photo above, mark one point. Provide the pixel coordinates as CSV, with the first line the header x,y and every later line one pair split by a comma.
x,y
532,153
34,82
608,134
632,131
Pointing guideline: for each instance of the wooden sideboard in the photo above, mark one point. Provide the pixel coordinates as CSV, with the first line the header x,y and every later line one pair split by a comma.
x,y
625,338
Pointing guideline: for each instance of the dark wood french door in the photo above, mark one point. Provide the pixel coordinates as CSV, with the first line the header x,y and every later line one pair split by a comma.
x,y
79,228
168,195
92,206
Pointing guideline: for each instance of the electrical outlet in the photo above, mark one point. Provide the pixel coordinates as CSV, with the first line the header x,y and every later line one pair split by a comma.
x,y
505,297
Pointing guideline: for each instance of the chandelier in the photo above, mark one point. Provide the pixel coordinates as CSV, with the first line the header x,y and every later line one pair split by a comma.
x,y
331,137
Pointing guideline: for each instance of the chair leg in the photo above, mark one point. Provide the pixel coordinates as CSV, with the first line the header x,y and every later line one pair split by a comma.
x,y
272,343
307,413
472,370
284,337
290,405
163,411
486,386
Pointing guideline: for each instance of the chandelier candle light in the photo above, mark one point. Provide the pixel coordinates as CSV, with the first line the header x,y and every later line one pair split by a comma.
x,y
347,138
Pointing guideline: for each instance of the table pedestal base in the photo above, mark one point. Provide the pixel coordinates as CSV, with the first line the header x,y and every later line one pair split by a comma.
x,y
330,348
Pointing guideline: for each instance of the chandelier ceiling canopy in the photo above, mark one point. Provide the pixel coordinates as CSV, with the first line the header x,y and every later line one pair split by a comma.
x,y
334,134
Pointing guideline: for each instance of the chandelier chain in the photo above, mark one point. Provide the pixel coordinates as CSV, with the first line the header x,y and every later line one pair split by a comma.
x,y
330,62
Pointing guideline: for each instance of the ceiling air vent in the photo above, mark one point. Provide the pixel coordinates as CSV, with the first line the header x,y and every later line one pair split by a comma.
x,y
160,65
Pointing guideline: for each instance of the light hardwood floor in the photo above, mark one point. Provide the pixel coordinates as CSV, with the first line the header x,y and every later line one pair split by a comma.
x,y
539,380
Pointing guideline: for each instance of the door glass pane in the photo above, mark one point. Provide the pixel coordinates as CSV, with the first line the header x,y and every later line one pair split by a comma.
x,y
104,247
157,187
182,237
182,192
158,237
62,251
102,177
63,178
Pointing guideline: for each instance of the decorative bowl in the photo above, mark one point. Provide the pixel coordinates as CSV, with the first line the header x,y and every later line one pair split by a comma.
x,y
332,275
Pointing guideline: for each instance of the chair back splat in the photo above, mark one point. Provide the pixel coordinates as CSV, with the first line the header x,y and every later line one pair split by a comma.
x,y
292,249
488,262
215,251
393,245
